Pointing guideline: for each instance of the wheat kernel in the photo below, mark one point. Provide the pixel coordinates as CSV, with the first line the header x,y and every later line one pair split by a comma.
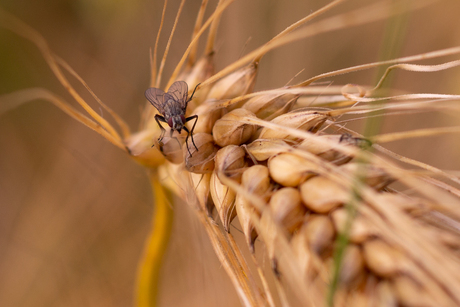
x,y
321,194
360,230
255,180
201,161
230,161
229,130
262,149
290,170
208,113
381,258
286,208
319,232
352,268
224,200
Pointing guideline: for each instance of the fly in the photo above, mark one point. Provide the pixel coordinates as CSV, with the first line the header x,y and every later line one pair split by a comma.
x,y
172,106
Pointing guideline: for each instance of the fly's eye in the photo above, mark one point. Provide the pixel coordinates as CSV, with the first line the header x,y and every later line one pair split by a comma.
x,y
170,122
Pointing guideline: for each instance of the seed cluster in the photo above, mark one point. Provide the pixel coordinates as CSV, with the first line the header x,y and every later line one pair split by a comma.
x,y
296,179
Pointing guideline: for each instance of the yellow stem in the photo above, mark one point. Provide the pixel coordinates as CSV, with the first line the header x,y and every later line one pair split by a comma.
x,y
148,274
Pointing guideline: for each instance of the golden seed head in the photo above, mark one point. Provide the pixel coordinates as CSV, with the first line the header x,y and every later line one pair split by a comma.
x,y
301,197
299,119
229,130
230,161
263,149
270,106
290,170
287,209
321,194
201,161
224,200
236,84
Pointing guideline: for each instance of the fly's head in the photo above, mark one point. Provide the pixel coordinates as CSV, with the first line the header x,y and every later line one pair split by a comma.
x,y
176,122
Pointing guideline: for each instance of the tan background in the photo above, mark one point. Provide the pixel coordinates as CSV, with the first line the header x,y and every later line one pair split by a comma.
x,y
74,210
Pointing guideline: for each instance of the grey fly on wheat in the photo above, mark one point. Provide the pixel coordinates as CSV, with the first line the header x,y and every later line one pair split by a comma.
x,y
172,106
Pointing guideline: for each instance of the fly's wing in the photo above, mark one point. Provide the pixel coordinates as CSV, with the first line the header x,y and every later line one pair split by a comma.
x,y
156,98
179,91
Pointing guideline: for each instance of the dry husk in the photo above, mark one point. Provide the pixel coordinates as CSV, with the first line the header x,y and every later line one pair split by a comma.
x,y
255,179
270,106
229,130
300,119
201,161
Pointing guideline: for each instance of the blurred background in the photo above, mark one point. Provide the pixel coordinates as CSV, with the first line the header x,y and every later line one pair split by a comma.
x,y
75,210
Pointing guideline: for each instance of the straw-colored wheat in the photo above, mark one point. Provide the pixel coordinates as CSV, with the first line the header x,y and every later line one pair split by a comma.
x,y
313,192
319,202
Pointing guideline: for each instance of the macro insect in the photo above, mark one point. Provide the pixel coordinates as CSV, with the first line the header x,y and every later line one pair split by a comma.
x,y
172,106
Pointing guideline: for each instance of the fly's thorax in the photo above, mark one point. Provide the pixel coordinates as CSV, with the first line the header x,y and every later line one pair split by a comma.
x,y
174,115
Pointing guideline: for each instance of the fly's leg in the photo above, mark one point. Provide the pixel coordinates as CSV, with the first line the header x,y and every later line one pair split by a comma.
x,y
186,141
193,92
190,133
159,118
